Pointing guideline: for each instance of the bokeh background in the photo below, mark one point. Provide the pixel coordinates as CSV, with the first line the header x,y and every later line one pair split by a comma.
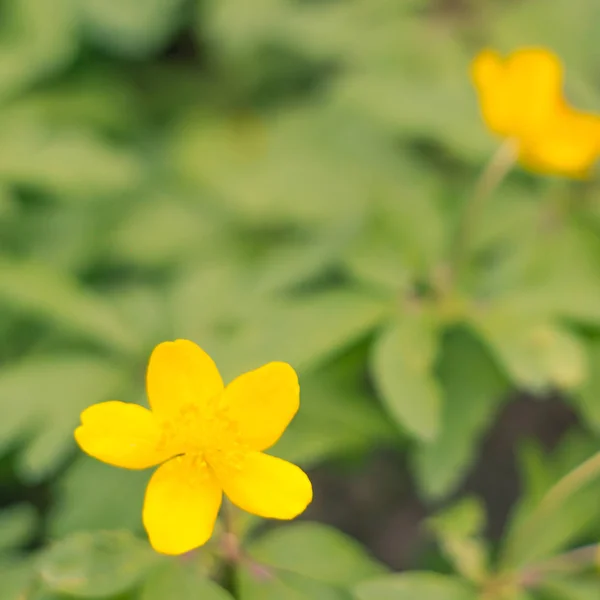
x,y
283,180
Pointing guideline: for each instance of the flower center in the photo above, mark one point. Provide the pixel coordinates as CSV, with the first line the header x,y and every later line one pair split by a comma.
x,y
205,432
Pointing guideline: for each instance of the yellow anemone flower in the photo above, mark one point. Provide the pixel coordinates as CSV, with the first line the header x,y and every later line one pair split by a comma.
x,y
208,439
521,98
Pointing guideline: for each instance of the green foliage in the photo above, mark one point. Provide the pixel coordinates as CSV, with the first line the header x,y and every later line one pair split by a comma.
x,y
17,524
95,565
305,560
459,530
402,360
317,552
176,580
429,586
284,180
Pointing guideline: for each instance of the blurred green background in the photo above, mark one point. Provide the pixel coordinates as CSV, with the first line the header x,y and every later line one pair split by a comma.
x,y
283,180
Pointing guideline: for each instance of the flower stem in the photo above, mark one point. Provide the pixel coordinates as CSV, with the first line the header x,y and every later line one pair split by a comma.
x,y
230,542
496,170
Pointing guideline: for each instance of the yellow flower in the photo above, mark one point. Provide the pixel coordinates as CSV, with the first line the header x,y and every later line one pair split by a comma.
x,y
208,439
521,98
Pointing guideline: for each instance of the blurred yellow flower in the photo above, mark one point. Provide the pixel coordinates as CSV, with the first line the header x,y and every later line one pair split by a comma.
x,y
208,439
521,98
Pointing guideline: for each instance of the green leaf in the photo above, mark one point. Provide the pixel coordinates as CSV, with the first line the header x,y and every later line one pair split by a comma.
x,y
293,166
303,331
93,565
182,582
132,28
459,530
559,504
92,496
67,162
37,39
581,587
473,390
536,354
435,75
17,524
336,418
392,248
413,586
184,227
316,551
32,288
553,274
587,399
43,397
258,583
402,364
16,578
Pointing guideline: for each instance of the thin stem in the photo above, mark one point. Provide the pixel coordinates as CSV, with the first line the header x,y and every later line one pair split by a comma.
x,y
498,167
230,547
230,542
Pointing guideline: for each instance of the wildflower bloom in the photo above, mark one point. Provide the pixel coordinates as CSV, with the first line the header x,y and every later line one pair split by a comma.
x,y
521,98
207,439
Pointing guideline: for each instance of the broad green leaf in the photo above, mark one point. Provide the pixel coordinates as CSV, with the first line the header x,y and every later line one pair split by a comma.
x,y
534,353
256,582
316,551
182,582
295,165
321,30
184,229
17,577
459,530
36,39
587,399
205,305
17,523
303,331
94,98
129,27
435,74
559,502
34,289
392,249
66,161
473,390
571,587
413,586
92,496
553,273
95,565
402,364
142,307
336,418
43,397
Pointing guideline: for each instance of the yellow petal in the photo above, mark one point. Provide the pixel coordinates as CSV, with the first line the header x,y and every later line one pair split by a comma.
x,y
181,505
267,486
518,95
489,75
180,374
120,434
262,403
535,81
569,146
